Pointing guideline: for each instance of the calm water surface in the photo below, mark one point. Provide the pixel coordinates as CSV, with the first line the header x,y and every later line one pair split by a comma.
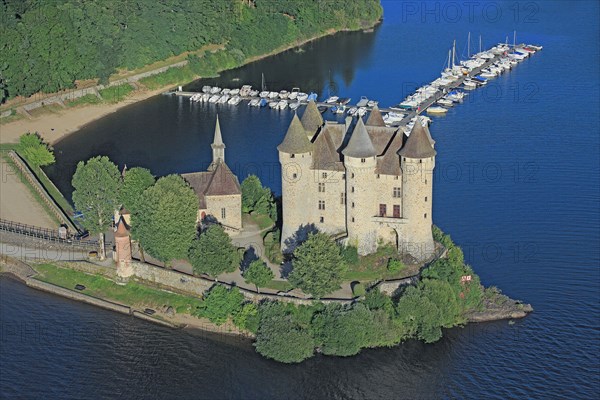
x,y
517,185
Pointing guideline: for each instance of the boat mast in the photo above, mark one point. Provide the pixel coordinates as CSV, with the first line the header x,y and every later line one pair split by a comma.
x,y
514,39
263,87
453,52
469,45
480,43
449,55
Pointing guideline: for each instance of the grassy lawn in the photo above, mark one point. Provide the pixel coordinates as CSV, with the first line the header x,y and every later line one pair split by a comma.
x,y
281,286
115,94
263,221
87,99
132,294
374,266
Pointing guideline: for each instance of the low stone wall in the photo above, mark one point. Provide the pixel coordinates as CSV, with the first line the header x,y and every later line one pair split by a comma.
x,y
391,288
170,279
89,268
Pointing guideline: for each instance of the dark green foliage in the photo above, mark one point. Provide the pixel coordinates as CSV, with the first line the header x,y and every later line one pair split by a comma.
x,y
318,265
350,254
213,252
221,303
166,222
395,265
282,334
247,317
440,237
419,316
343,331
258,199
47,45
96,187
375,300
33,149
258,273
135,182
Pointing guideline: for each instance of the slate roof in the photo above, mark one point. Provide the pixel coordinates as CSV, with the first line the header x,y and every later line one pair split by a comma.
x,y
375,118
389,163
418,144
311,119
296,140
217,181
122,228
360,144
326,147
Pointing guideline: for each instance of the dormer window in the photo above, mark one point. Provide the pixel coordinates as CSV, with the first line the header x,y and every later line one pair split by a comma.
x,y
292,156
362,160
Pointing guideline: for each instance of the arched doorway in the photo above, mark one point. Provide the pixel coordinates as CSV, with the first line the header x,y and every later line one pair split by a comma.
x,y
389,235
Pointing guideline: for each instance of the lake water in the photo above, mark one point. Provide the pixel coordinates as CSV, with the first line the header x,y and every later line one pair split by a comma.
x,y
517,185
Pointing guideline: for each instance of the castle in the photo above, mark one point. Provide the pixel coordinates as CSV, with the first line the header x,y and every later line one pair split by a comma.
x,y
367,186
218,189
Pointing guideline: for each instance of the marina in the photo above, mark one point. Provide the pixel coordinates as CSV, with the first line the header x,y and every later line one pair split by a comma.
x,y
434,98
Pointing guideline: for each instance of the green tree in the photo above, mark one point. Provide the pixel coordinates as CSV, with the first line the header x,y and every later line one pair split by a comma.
x,y
221,303
252,191
281,336
213,253
418,316
96,188
166,222
247,318
318,265
35,151
135,181
258,273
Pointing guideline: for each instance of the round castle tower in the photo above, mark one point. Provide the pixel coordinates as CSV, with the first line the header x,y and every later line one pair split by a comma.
x,y
295,156
417,161
123,256
360,160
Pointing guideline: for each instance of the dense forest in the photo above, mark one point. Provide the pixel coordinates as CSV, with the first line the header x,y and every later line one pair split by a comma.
x,y
47,45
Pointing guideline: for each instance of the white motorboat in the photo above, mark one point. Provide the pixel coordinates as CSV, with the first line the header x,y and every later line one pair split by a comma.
x,y
235,100
225,91
264,93
302,96
294,106
253,93
214,98
245,90
362,102
283,94
223,99
445,103
234,92
294,94
206,89
372,103
205,97
437,110
215,90
273,95
361,111
254,102
273,104
282,105
332,100
352,111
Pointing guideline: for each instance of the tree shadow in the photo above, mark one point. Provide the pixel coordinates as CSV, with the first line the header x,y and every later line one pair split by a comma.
x,y
249,256
298,237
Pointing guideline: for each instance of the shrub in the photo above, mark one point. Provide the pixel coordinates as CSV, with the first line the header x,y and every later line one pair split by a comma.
x,y
247,318
32,148
350,254
358,289
221,303
395,265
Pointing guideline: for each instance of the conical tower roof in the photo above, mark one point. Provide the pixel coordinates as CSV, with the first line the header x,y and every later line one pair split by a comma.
x,y
418,144
295,141
360,144
122,229
218,139
312,118
375,118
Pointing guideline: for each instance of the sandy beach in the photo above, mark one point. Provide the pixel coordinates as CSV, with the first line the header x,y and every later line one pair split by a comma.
x,y
53,126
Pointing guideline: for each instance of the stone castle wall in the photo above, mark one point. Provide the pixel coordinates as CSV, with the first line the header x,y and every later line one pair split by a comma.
x,y
233,209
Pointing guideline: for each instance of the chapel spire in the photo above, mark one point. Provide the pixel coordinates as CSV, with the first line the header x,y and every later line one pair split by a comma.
x,y
218,147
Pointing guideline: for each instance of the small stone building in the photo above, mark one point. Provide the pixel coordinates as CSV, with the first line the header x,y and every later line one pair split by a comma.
x,y
218,189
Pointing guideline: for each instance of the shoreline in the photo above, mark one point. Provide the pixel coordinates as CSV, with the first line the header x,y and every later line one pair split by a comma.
x,y
54,126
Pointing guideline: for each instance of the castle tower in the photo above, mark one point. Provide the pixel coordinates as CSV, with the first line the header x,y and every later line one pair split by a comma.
x,y
295,156
417,161
123,250
360,161
218,147
312,119
375,118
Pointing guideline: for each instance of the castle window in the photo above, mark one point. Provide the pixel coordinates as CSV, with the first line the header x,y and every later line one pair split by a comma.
x,y
321,188
324,175
353,174
425,198
321,204
342,198
322,219
397,192
343,176
396,211
294,176
425,215
396,177
352,219
352,189
292,156
352,204
362,160
420,161
382,210
378,176
223,213
425,180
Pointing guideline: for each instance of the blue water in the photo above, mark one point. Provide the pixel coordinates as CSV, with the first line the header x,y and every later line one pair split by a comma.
x,y
517,185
